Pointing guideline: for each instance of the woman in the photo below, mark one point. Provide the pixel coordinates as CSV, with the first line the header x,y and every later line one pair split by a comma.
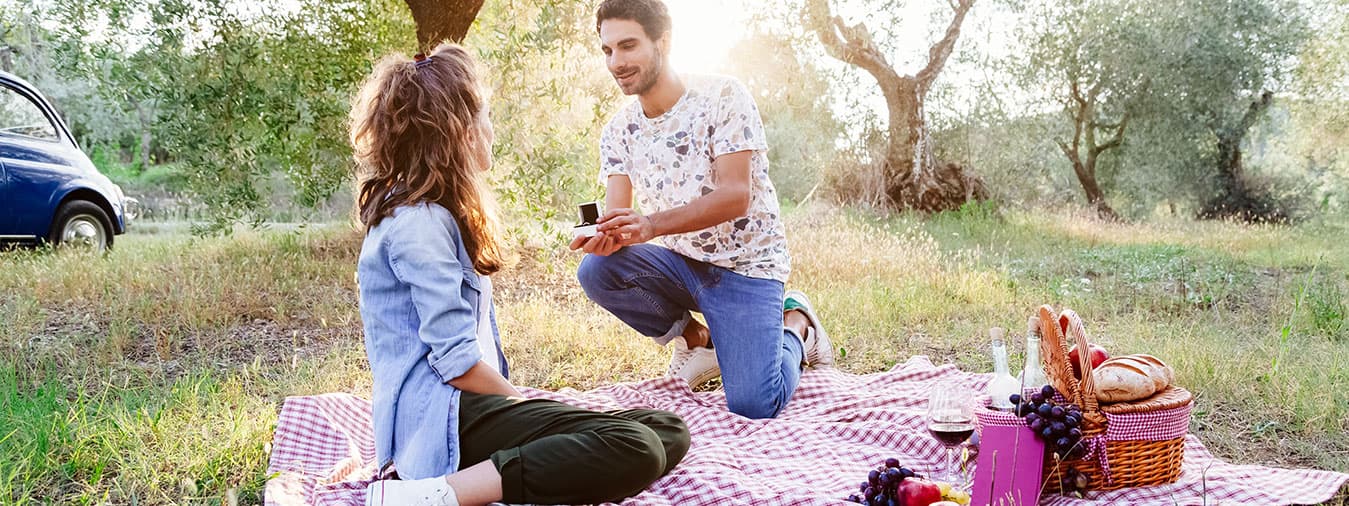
x,y
447,421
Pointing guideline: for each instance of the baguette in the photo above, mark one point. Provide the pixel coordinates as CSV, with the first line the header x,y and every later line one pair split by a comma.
x,y
1131,378
1120,379
1154,373
1166,370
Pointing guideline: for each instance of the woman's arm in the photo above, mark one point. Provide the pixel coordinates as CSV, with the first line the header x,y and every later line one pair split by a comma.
x,y
483,379
422,245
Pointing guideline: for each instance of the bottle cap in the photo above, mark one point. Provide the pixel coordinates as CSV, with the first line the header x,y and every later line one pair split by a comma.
x,y
996,334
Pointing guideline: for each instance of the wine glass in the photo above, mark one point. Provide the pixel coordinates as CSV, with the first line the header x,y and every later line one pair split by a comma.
x,y
950,419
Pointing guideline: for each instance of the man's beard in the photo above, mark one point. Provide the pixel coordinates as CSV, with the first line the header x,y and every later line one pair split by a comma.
x,y
647,77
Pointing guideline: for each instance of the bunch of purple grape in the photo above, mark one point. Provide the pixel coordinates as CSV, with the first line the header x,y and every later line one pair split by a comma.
x,y
1073,481
1060,426
882,485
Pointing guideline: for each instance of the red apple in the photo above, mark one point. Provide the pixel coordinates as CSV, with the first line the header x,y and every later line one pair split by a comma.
x,y
1097,354
918,492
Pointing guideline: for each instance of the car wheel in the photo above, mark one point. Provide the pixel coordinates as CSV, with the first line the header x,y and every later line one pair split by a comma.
x,y
81,224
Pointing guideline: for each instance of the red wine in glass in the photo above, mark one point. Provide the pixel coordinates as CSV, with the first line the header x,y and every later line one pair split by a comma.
x,y
950,420
951,433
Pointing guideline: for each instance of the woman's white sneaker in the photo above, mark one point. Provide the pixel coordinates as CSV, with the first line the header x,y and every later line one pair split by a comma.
x,y
424,492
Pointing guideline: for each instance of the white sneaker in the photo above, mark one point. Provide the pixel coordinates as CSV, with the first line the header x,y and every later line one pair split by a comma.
x,y
424,492
696,366
819,352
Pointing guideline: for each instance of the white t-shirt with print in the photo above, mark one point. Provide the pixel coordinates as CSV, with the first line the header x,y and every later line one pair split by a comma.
x,y
669,161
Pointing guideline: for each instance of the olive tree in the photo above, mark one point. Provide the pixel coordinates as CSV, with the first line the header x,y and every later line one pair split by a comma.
x,y
910,175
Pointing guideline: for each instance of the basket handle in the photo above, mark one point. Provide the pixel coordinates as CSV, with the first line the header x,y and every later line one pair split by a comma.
x,y
1054,354
1072,326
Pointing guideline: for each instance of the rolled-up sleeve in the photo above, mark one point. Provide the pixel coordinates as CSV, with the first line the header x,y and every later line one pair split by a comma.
x,y
422,255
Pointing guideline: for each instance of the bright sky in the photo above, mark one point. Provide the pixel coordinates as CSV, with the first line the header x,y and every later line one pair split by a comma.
x,y
704,31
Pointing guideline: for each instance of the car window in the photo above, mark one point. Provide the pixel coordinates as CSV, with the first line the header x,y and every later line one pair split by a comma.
x,y
20,116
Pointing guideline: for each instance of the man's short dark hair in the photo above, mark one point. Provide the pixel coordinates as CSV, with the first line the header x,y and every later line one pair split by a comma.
x,y
651,14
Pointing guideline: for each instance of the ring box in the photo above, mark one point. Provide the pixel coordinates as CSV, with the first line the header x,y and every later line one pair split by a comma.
x,y
590,214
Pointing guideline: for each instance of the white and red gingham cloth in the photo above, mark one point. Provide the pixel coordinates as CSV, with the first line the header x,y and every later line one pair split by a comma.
x,y
836,428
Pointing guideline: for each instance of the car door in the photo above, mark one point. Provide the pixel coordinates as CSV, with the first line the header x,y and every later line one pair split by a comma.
x,y
34,154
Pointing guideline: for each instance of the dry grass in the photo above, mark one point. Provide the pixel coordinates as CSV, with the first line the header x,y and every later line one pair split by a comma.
x,y
153,376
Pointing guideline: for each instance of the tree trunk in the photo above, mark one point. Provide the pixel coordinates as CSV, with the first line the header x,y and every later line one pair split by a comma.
x,y
1086,176
146,121
442,20
1082,109
911,176
1237,196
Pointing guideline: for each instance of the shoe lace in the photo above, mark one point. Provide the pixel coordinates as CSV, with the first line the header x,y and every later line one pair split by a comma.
x,y
679,358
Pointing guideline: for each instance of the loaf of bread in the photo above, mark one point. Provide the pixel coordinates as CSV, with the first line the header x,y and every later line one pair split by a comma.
x,y
1131,377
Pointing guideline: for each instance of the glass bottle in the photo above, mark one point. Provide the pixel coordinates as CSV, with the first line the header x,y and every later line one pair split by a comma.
x,y
1002,385
1033,374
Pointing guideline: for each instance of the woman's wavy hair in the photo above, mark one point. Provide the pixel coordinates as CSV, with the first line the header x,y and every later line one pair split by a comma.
x,y
417,133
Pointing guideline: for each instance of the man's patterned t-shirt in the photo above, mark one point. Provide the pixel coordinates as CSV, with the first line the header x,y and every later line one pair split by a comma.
x,y
669,161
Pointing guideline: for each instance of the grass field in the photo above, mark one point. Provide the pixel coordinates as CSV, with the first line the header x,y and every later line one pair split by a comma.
x,y
154,375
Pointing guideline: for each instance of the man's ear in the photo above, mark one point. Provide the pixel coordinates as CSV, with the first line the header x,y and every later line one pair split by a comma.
x,y
663,44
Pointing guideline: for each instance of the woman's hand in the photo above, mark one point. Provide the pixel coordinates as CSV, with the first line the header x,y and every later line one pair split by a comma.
x,y
601,244
483,379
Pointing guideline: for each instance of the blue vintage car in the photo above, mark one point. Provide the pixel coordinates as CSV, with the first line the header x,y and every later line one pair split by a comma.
x,y
49,190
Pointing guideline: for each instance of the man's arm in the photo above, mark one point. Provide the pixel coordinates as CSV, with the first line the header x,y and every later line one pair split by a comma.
x,y
730,200
617,192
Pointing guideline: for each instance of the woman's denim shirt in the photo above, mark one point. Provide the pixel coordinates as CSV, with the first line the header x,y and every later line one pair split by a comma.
x,y
420,304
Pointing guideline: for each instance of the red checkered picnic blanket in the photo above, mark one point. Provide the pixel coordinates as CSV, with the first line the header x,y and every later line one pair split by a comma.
x,y
837,427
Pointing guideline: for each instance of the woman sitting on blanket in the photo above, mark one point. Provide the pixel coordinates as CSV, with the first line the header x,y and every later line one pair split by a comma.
x,y
445,417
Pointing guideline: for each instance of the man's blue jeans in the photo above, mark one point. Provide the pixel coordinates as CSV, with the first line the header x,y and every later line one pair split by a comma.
x,y
653,290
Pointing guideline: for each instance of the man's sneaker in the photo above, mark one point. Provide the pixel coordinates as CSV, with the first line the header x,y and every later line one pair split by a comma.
x,y
425,492
819,351
696,365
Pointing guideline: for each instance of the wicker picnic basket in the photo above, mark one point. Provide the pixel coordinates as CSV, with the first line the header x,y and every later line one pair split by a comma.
x,y
1128,444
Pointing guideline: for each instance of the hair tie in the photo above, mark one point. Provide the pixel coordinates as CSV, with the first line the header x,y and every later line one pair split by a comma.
x,y
421,60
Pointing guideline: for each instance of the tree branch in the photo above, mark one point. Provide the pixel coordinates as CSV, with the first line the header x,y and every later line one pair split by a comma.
x,y
1077,95
1253,113
852,45
938,53
1115,140
1067,151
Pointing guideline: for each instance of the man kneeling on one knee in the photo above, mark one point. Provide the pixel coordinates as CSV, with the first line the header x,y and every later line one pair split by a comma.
x,y
692,150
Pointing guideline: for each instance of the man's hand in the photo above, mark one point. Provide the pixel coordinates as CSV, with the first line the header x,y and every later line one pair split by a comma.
x,y
601,244
627,226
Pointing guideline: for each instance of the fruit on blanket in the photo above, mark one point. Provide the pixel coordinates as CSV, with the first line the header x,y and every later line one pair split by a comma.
x,y
959,497
1097,355
951,495
883,484
918,492
1073,482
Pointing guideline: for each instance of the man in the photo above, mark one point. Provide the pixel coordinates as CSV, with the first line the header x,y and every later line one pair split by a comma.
x,y
692,150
